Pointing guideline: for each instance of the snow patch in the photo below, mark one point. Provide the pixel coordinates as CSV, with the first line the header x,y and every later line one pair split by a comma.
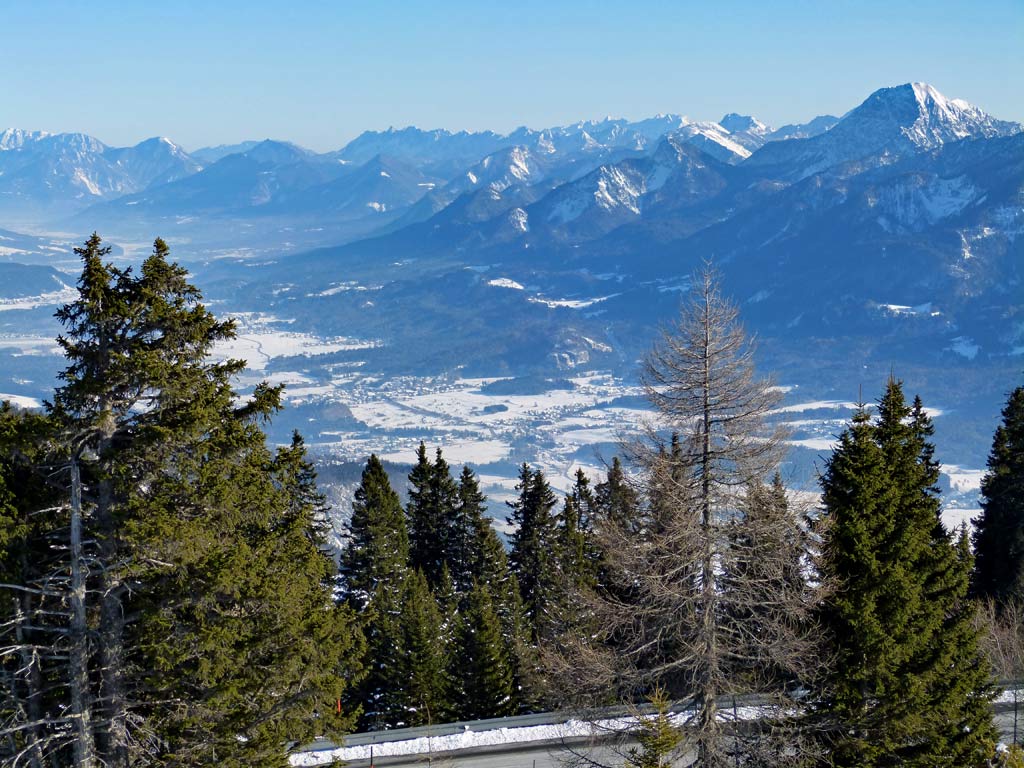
x,y
21,401
964,346
571,303
504,282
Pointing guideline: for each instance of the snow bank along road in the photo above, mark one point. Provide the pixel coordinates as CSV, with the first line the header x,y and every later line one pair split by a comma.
x,y
533,741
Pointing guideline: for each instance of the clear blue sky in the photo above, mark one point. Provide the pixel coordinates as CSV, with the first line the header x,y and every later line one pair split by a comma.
x,y
319,73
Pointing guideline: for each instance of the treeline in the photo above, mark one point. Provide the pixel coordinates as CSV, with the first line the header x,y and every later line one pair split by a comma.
x,y
167,597
455,625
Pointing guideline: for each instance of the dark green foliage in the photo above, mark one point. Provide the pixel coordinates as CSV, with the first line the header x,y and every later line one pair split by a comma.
x,y
487,684
374,569
377,554
212,633
999,534
432,513
909,687
33,663
535,553
577,562
423,672
615,500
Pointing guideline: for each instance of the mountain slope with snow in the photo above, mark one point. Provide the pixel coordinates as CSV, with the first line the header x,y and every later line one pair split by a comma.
x,y
892,121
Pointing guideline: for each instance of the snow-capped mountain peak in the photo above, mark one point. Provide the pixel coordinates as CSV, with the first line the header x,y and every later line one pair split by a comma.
x,y
16,138
735,123
902,119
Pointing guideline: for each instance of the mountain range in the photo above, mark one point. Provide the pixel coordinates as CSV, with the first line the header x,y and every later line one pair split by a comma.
x,y
886,240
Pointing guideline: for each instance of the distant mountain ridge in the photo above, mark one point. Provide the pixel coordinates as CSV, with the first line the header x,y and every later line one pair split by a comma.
x,y
46,176
888,240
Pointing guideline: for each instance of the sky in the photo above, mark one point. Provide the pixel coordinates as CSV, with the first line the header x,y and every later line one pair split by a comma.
x,y
320,73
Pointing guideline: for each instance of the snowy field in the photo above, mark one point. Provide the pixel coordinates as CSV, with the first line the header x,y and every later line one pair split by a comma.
x,y
346,411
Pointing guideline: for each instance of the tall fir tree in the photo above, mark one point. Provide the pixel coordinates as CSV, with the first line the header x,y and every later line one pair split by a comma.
x,y
577,560
999,532
377,553
909,687
490,570
535,554
432,515
487,679
615,500
423,674
374,570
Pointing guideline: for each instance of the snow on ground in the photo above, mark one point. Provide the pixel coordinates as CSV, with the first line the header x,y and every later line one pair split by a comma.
x,y
964,346
963,480
63,296
823,444
455,452
953,519
258,349
258,342
30,345
21,401
504,282
491,735
571,303
817,405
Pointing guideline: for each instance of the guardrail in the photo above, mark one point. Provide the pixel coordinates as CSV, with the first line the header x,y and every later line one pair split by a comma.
x,y
536,722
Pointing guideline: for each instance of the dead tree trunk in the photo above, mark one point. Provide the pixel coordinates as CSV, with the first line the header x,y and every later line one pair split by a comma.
x,y
81,699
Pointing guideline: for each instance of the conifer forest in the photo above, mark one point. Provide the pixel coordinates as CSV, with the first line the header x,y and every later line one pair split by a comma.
x,y
168,595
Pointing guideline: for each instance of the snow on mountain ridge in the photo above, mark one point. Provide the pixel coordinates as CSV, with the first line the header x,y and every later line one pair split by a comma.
x,y
898,120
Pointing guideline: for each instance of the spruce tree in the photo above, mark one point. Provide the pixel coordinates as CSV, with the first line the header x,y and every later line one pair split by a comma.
x,y
909,687
615,500
577,560
432,513
377,553
999,532
487,679
209,627
423,671
374,569
534,555
490,570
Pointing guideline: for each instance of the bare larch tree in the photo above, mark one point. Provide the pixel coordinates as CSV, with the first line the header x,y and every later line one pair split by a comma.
x,y
705,593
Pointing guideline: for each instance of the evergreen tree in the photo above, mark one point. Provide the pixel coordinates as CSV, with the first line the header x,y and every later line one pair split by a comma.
x,y
999,532
204,624
377,553
374,569
468,557
423,671
487,674
657,736
577,559
534,555
432,514
34,615
615,500
909,687
490,570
